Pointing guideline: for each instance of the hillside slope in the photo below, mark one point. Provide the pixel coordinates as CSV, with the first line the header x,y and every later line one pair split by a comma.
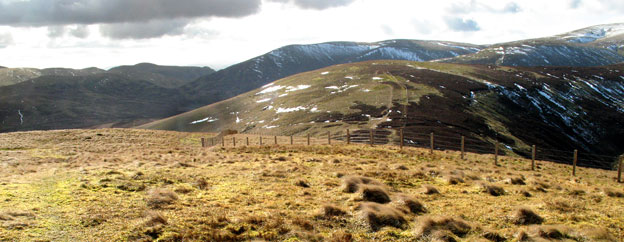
x,y
560,108
592,46
57,102
10,76
164,76
294,59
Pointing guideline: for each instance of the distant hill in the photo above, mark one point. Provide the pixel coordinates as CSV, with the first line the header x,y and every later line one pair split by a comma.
x,y
294,59
124,96
165,76
10,76
556,107
58,102
592,46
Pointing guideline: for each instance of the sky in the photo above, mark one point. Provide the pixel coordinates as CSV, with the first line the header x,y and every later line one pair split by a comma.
x,y
219,33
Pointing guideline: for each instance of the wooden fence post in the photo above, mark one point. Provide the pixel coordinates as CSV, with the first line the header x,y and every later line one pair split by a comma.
x,y
203,140
372,137
247,140
348,137
291,140
308,139
463,145
329,137
234,141
533,148
260,140
401,138
574,162
223,141
620,160
431,143
496,153
275,140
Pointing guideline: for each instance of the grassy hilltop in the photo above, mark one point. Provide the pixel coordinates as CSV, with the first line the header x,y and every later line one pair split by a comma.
x,y
137,185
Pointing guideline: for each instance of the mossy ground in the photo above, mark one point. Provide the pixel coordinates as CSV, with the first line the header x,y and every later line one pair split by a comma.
x,y
94,185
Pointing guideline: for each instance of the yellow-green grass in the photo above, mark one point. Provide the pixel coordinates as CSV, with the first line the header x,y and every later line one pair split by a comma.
x,y
97,185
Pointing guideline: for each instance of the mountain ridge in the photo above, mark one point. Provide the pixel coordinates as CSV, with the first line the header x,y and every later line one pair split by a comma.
x,y
561,108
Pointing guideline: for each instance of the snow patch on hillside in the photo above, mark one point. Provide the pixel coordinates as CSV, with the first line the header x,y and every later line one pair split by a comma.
x,y
270,89
594,33
297,88
288,110
207,119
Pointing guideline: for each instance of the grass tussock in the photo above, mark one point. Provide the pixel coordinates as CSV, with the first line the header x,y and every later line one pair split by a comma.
x,y
612,192
494,236
302,183
410,205
428,225
517,181
376,216
159,197
491,189
525,216
429,190
374,193
330,211
352,184
454,180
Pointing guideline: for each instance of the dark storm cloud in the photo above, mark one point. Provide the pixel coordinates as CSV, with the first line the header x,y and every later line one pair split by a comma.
x,y
63,12
317,4
146,30
463,25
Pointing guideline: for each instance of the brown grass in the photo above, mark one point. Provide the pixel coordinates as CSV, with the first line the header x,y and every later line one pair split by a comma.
x,y
428,225
329,211
491,189
374,193
429,190
352,184
159,197
245,194
377,216
525,216
412,205
612,192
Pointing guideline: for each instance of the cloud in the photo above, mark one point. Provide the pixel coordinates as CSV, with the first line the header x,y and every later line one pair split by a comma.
x,y
6,39
56,31
64,12
511,7
387,29
317,4
476,6
81,31
150,29
575,3
78,31
422,26
460,24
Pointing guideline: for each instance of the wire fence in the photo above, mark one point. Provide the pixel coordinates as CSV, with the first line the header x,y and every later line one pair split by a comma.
x,y
409,138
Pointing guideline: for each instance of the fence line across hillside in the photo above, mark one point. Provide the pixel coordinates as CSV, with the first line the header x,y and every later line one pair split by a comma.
x,y
432,141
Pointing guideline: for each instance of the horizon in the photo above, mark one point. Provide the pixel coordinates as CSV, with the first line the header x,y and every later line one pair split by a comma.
x,y
213,34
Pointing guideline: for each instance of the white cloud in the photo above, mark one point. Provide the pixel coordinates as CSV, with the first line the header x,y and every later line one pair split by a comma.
x,y
5,40
219,38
